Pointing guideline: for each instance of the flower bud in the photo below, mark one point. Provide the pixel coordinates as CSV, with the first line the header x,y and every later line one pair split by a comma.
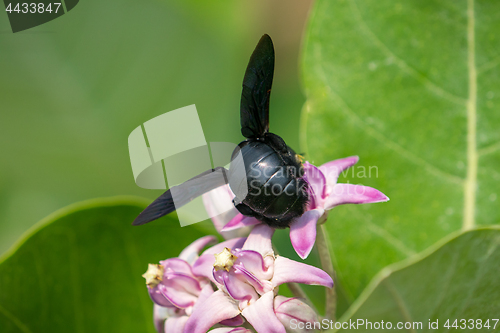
x,y
295,315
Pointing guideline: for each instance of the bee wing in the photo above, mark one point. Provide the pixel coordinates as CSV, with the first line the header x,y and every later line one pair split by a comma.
x,y
254,108
184,193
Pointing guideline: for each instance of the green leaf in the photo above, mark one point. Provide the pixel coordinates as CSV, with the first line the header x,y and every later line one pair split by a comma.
x,y
411,87
80,270
457,279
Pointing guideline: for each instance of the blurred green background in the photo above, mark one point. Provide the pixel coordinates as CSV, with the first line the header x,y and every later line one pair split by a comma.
x,y
73,89
400,83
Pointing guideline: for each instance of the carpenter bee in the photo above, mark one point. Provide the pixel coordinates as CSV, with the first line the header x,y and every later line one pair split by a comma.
x,y
271,187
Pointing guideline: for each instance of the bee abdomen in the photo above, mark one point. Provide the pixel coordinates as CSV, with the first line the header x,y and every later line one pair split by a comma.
x,y
276,193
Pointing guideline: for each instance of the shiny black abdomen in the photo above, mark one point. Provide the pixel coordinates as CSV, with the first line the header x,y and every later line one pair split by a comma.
x,y
275,191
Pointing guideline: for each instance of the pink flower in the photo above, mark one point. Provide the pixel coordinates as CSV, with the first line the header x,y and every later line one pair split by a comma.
x,y
176,290
169,319
248,278
325,193
230,330
219,200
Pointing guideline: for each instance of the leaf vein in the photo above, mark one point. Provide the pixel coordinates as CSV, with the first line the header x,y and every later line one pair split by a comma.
x,y
16,321
433,170
383,233
479,275
444,289
403,65
490,149
400,303
488,66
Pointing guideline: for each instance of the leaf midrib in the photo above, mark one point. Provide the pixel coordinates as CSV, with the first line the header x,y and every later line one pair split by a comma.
x,y
472,155
470,182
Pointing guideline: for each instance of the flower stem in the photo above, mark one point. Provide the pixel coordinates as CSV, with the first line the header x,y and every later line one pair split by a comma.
x,y
327,265
298,292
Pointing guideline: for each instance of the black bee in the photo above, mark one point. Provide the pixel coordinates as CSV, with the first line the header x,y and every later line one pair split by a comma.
x,y
271,187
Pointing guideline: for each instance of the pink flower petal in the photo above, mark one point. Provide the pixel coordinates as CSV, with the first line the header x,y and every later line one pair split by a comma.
x,y
235,243
254,262
240,221
204,266
160,314
219,205
206,292
353,194
230,330
220,208
261,315
288,309
286,270
216,308
158,297
303,232
236,321
219,276
240,289
333,169
260,239
176,265
175,324
191,252
181,290
317,183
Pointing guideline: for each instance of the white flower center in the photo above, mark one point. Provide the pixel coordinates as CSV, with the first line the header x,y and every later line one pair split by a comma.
x,y
224,260
153,275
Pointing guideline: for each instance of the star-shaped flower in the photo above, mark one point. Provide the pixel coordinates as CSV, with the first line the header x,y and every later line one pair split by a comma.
x,y
325,194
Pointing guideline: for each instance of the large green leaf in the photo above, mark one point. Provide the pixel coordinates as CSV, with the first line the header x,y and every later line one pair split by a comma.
x,y
80,270
412,88
458,280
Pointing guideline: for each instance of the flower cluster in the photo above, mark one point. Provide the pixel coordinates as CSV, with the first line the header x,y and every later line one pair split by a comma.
x,y
232,287
231,283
